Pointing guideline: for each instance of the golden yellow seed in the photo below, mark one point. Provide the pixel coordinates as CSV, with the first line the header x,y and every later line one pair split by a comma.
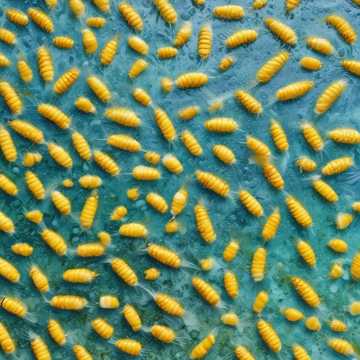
x,y
133,194
249,102
228,12
40,349
341,346
109,302
35,216
207,264
131,16
56,332
166,11
9,272
251,204
137,68
272,67
22,249
157,202
352,66
118,213
39,279
103,328
66,80
329,96
281,30
294,90
63,42
166,52
343,27
80,352
85,105
132,317
104,238
189,112
269,335
7,344
11,98
166,84
241,37
230,319
343,220
203,347
99,88
320,45
183,35
77,7
172,226
96,22
312,323
336,271
4,61
191,143
206,291
129,346
17,17
310,63
151,274
172,164
307,253
79,275
337,325
6,224
292,314
24,70
41,19
226,63
163,333
89,41
241,352
109,51
133,230
204,224
231,250
68,302
271,225
260,302
8,186
139,45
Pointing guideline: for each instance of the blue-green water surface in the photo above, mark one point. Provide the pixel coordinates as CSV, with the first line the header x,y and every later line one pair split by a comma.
x,y
230,219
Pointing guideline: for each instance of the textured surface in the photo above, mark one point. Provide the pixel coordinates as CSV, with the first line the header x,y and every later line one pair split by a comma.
x,y
229,217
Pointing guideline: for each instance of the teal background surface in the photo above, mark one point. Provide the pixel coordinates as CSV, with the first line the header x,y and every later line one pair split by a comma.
x,y
229,217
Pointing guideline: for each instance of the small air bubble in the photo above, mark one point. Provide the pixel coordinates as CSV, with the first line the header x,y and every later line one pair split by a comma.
x,y
341,53
140,203
194,334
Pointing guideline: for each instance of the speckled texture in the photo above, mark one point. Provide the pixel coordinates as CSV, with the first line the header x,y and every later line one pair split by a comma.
x,y
229,217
